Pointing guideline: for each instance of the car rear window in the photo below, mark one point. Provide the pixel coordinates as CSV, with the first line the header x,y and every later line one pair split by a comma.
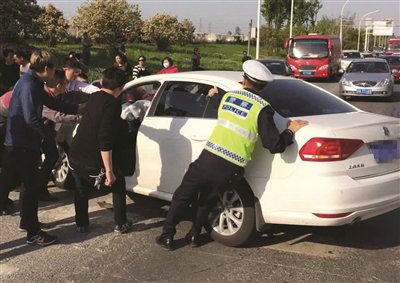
x,y
393,60
351,55
293,98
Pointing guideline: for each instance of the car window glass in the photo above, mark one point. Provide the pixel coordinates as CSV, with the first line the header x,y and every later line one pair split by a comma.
x,y
368,67
393,60
351,55
293,98
138,92
184,99
276,67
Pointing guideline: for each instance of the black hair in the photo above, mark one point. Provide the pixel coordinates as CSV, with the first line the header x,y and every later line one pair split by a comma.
x,y
22,54
123,58
141,56
59,77
83,76
7,51
113,78
169,60
71,63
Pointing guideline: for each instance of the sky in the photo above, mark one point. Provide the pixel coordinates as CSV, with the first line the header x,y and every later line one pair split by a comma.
x,y
221,16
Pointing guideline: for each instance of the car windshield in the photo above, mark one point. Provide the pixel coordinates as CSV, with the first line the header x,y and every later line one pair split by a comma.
x,y
294,98
308,48
351,55
393,60
368,67
394,46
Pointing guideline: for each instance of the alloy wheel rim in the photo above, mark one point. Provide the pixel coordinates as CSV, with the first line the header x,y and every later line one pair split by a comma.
x,y
227,217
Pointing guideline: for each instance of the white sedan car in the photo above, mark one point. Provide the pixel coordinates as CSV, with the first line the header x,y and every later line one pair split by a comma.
x,y
342,168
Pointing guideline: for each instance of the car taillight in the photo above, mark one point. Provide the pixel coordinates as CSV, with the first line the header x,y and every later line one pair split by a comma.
x,y
337,215
329,149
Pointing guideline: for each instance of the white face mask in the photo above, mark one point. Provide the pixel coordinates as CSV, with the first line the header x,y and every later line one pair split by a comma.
x,y
166,65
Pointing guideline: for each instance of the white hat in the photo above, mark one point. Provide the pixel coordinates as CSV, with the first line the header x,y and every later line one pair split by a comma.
x,y
257,72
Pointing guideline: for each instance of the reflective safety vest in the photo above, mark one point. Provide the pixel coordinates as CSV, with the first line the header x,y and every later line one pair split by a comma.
x,y
236,133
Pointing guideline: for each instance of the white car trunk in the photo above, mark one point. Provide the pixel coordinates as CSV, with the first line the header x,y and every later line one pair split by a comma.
x,y
376,131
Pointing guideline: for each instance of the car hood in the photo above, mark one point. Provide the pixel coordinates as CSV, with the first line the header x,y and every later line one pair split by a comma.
x,y
366,76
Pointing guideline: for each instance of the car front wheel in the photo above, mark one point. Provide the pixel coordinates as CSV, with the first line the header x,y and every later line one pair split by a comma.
x,y
232,221
61,176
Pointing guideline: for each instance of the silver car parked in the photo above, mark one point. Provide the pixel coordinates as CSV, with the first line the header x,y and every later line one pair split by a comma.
x,y
367,77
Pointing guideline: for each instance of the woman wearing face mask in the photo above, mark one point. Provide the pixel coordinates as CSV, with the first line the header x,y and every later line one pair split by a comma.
x,y
168,66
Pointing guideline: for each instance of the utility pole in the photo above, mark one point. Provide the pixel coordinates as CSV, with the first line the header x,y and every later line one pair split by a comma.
x,y
249,37
258,29
341,23
291,20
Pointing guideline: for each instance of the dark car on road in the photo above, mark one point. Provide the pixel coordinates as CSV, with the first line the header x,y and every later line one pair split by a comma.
x,y
394,64
277,67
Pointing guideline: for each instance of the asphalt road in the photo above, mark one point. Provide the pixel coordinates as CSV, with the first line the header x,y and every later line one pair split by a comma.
x,y
368,251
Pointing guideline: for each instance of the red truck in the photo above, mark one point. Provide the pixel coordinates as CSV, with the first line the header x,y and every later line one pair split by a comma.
x,y
314,56
393,46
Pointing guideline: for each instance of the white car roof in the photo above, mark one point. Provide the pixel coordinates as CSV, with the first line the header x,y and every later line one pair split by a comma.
x,y
224,77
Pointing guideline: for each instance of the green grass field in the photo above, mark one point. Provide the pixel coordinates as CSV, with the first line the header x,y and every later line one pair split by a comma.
x,y
215,56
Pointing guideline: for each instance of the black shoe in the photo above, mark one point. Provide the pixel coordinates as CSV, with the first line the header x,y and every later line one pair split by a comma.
x,y
166,243
7,211
192,241
83,229
41,239
9,202
46,196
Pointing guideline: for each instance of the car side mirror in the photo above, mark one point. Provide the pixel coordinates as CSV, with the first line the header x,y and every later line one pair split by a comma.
x,y
341,71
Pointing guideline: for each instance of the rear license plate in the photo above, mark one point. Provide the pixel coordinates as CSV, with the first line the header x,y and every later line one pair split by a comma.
x,y
306,73
364,91
385,150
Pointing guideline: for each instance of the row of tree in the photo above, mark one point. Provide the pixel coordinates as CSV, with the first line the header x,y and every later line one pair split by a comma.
x,y
106,21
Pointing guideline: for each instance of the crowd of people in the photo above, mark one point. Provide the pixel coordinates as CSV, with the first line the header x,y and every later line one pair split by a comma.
x,y
40,106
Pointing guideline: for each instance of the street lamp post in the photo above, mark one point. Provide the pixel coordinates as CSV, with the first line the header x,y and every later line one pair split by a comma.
x,y
359,27
258,29
291,20
341,22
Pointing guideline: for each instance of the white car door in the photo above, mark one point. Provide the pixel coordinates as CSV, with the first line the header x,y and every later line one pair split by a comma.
x,y
172,135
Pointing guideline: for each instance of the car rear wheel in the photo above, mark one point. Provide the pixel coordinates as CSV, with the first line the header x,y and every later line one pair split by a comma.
x,y
61,176
232,221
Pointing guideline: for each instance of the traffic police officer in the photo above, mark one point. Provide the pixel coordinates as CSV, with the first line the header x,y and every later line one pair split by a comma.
x,y
242,116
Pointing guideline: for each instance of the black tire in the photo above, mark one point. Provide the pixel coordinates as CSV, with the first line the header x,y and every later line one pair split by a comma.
x,y
61,174
236,227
